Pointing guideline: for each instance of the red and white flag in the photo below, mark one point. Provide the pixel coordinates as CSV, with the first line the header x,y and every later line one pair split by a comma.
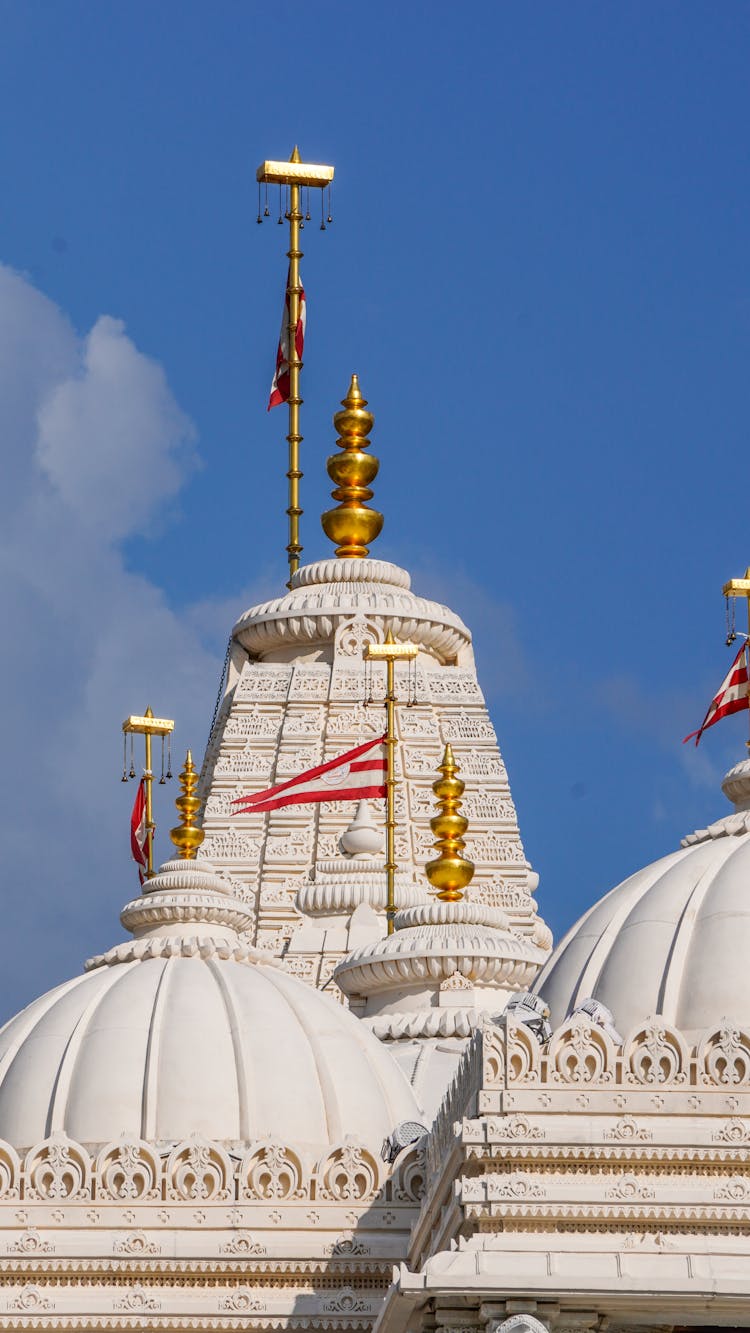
x,y
139,832
731,697
354,776
280,384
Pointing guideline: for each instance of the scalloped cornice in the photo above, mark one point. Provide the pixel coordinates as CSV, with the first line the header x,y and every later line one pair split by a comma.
x,y
324,597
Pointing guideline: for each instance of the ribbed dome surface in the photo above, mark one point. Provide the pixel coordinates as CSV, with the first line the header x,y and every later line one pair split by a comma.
x,y
172,1035
673,939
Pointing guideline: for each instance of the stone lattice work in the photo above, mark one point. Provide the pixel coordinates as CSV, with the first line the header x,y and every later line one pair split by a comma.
x,y
296,697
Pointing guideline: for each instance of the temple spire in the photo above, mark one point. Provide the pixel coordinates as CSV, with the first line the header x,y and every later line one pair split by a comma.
x,y
352,526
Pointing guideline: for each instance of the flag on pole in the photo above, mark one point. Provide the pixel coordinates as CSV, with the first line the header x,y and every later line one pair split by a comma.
x,y
139,832
280,383
354,776
731,697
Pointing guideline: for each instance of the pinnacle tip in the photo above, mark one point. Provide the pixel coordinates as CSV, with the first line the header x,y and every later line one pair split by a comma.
x,y
295,155
448,754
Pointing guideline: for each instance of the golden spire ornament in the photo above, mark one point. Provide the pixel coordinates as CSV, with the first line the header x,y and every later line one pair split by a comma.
x,y
351,526
450,872
187,837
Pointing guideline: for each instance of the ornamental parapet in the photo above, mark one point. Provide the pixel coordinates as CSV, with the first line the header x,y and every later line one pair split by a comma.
x,y
581,1133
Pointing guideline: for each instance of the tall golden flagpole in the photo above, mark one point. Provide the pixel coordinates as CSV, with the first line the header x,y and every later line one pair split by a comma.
x,y
295,174
390,652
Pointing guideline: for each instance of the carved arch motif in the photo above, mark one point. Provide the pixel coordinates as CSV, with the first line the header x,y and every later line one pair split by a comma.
x,y
128,1169
521,1323
57,1169
724,1055
409,1174
582,1052
10,1166
657,1054
348,1172
272,1171
199,1169
521,1054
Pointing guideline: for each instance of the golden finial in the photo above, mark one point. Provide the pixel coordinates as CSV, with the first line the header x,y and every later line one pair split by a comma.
x,y
186,837
450,872
352,525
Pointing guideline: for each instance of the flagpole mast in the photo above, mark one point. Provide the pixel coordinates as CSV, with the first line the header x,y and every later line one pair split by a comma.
x,y
390,652
295,174
148,726
294,439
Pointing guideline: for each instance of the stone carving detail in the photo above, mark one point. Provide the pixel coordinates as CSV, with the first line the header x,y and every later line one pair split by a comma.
x,y
627,1130
581,1052
629,1187
521,1055
127,1170
135,1243
354,636
31,1299
308,724
30,1242
453,684
253,763
512,1128
474,726
199,1169
137,1301
255,724
520,1323
732,1131
735,1190
243,1302
409,1174
291,762
725,1055
347,1247
349,1172
272,1171
243,1244
516,1186
359,721
346,1301
57,1169
261,681
9,1172
310,682
657,1054
231,845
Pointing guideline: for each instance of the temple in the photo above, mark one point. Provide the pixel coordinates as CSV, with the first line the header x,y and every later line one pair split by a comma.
x,y
333,1075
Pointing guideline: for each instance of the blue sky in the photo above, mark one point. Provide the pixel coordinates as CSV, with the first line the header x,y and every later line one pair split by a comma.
x,y
538,267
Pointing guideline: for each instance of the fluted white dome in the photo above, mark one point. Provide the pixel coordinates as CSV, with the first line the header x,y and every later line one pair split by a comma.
x,y
189,1030
673,939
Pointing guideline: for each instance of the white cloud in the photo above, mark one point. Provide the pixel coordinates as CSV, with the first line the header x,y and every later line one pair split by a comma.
x,y
92,443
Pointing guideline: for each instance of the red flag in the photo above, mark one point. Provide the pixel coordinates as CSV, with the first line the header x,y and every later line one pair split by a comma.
x,y
280,384
353,776
138,831
731,697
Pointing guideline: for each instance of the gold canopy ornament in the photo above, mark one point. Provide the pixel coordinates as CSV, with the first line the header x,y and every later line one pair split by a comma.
x,y
187,837
450,872
352,525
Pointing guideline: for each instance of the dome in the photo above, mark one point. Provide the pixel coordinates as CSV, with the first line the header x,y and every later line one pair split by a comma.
x,y
188,1030
672,939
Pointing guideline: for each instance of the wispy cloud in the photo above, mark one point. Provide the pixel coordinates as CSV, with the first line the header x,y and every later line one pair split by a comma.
x,y
93,445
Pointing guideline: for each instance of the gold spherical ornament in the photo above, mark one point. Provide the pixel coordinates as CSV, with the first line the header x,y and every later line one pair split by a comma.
x,y
450,873
352,525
